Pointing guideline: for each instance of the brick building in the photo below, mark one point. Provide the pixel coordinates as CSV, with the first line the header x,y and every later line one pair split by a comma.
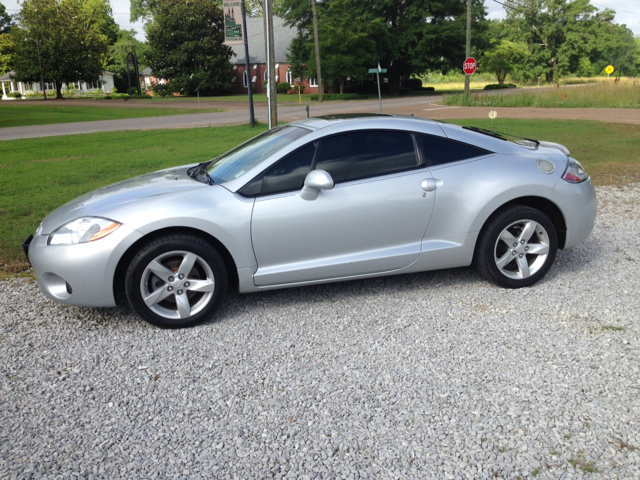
x,y
257,57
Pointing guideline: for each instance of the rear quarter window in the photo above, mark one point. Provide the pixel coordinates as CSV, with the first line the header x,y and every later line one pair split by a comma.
x,y
440,150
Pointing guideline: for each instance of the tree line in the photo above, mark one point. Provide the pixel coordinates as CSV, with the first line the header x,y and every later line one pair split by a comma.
x,y
65,41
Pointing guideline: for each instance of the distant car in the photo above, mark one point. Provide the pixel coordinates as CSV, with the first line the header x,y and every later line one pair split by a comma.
x,y
320,200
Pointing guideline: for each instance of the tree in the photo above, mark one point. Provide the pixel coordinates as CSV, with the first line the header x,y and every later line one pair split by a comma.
x,y
117,60
504,58
6,21
559,33
6,53
415,35
298,55
349,47
186,47
58,40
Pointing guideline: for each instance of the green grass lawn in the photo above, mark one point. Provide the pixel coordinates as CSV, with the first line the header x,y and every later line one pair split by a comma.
x,y
625,94
38,175
19,113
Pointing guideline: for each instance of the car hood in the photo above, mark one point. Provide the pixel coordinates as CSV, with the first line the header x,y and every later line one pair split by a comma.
x,y
106,201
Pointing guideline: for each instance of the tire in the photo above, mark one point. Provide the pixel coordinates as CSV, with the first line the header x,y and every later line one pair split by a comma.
x,y
176,281
517,247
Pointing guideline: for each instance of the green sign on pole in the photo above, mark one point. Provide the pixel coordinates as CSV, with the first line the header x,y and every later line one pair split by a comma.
x,y
378,71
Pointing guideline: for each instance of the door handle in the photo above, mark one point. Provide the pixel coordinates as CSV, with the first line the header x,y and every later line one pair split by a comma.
x,y
428,185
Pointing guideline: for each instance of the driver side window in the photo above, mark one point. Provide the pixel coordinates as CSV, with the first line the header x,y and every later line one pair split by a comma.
x,y
286,175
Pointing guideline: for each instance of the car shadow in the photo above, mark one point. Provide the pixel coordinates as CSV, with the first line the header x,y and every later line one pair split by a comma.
x,y
567,264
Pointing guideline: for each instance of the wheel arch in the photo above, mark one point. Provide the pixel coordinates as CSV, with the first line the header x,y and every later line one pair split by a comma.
x,y
545,206
125,259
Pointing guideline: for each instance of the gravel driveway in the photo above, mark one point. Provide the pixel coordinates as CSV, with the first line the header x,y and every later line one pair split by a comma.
x,y
434,375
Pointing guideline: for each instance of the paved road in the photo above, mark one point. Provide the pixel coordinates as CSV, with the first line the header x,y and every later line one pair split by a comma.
x,y
207,119
424,107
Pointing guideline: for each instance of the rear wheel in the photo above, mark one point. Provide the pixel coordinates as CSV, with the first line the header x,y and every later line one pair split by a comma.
x,y
517,247
176,281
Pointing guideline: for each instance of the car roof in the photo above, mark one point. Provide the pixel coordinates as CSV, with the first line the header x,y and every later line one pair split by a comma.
x,y
316,123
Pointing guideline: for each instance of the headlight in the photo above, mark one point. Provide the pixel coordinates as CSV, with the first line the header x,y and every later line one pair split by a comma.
x,y
574,172
82,230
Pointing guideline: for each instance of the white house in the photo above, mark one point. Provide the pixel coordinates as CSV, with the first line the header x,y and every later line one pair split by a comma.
x,y
10,86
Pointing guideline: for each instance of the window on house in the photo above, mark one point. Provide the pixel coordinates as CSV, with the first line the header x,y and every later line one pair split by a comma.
x,y
313,82
289,77
244,79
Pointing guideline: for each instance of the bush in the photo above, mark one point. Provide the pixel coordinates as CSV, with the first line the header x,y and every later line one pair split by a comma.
x,y
498,86
404,91
116,96
140,97
338,96
161,89
114,90
428,89
284,87
414,84
15,95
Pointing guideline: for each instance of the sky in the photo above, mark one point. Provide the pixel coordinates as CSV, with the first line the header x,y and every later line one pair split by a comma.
x,y
628,12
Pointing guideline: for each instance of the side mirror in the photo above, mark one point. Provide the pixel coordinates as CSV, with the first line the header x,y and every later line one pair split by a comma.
x,y
316,180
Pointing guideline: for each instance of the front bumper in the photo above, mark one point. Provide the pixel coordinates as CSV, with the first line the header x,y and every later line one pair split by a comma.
x,y
578,204
25,246
80,274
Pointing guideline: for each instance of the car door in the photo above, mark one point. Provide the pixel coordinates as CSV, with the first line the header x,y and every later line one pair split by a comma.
x,y
373,220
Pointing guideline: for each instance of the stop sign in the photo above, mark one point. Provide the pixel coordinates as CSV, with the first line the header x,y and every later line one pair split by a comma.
x,y
469,65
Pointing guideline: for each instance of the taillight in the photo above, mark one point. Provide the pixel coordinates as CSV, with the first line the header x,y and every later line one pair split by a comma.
x,y
575,172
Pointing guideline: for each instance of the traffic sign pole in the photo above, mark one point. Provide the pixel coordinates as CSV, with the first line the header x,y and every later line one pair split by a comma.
x,y
467,79
379,94
378,71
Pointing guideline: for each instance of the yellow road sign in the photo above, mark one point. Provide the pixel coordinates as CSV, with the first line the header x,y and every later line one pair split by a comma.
x,y
609,69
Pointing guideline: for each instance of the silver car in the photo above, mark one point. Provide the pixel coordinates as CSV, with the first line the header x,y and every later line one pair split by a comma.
x,y
320,200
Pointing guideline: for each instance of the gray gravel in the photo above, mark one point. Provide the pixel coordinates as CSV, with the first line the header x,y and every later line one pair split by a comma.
x,y
434,375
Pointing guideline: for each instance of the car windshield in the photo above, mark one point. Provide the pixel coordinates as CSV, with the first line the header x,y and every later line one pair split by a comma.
x,y
240,160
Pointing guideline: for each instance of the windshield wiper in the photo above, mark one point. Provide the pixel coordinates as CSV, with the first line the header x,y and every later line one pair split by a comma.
x,y
199,173
501,135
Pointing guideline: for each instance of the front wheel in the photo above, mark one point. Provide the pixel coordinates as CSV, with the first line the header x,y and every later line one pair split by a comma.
x,y
176,281
517,247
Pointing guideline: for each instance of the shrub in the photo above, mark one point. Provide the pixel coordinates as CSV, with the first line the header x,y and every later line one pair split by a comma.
x,y
119,96
404,91
284,87
428,89
338,96
16,95
498,86
414,84
114,90
161,89
140,97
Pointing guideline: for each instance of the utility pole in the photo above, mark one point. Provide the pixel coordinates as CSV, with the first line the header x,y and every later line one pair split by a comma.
x,y
467,78
315,33
247,70
272,89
